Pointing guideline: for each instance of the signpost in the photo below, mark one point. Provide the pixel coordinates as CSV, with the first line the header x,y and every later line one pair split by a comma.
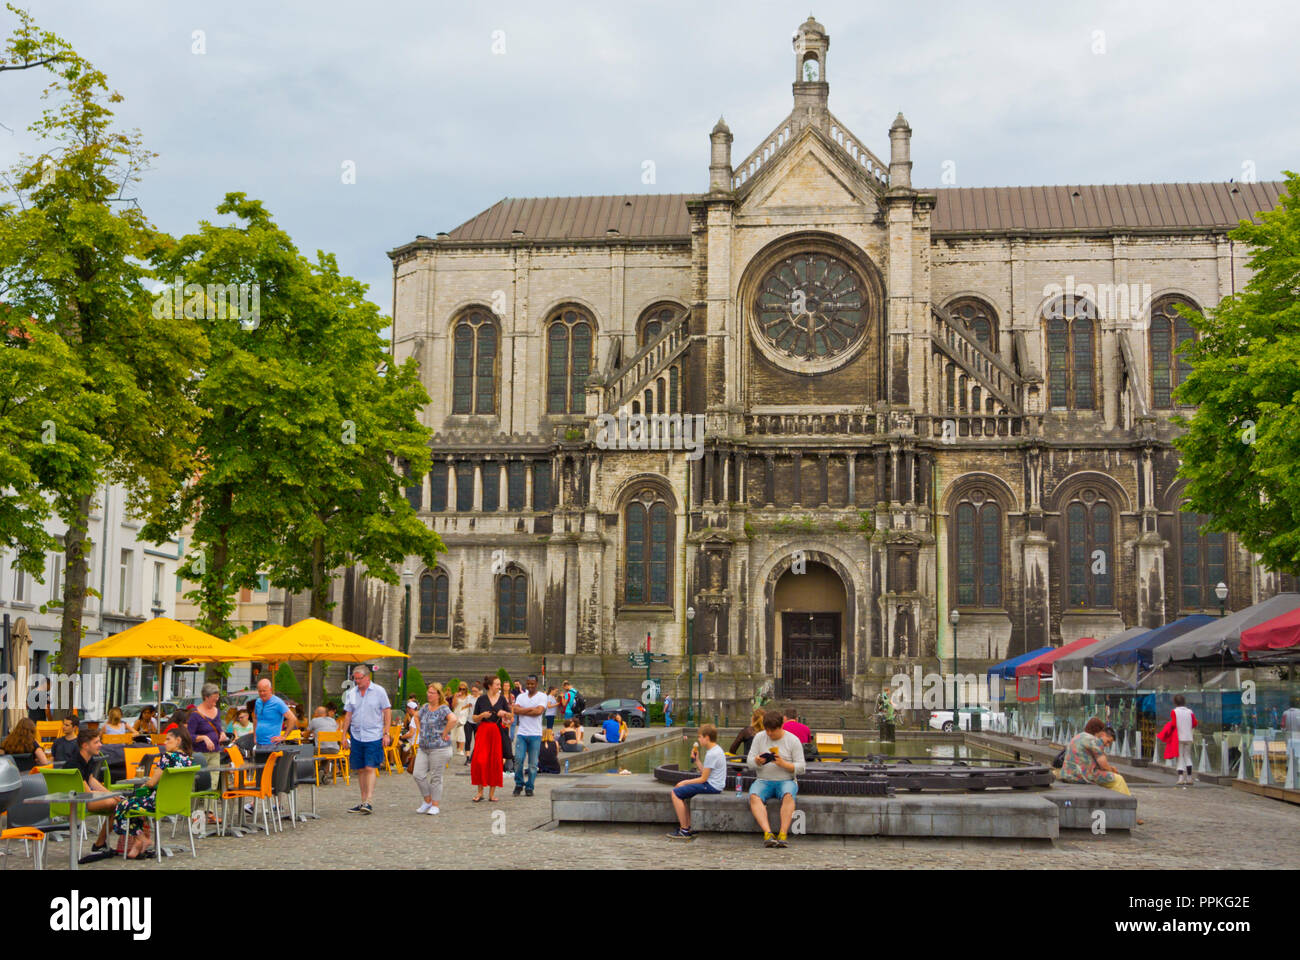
x,y
650,688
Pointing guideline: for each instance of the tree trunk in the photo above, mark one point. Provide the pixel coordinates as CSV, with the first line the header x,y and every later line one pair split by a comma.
x,y
74,591
214,592
320,584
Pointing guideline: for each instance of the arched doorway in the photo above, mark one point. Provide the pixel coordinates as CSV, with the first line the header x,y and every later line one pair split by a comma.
x,y
810,605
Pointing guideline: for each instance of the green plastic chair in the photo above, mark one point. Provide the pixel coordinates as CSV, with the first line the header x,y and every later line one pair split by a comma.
x,y
66,780
173,798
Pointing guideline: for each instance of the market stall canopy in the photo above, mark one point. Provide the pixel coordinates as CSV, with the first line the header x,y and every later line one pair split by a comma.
x,y
1138,649
1280,633
1042,666
1007,668
1076,659
1220,639
165,639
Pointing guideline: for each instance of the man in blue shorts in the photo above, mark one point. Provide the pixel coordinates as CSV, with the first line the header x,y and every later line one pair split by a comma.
x,y
368,716
712,778
778,758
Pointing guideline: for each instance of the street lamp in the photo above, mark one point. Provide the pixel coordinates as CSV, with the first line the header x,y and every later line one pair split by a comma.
x,y
690,653
1221,591
953,618
407,577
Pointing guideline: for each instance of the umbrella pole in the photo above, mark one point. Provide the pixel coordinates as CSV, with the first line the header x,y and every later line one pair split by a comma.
x,y
310,666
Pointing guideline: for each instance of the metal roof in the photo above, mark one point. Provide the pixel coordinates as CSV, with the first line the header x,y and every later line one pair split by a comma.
x,y
1154,207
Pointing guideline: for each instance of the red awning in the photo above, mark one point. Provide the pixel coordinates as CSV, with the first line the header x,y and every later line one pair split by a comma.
x,y
1279,633
1043,665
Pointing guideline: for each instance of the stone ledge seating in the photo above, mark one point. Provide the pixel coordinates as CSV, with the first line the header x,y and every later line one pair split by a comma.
x,y
1012,814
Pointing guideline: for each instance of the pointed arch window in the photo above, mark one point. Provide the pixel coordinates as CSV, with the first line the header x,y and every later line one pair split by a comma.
x,y
474,367
569,338
1071,354
655,320
433,602
1203,561
512,601
979,550
647,525
1169,331
1090,550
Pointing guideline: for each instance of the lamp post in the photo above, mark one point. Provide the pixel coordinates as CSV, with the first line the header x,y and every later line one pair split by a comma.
x,y
956,719
1221,591
690,653
407,576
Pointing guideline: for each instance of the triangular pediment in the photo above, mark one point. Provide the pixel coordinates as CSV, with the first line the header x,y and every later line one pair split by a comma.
x,y
809,172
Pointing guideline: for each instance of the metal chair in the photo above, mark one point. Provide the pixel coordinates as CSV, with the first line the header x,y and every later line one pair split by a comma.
x,y
11,781
33,816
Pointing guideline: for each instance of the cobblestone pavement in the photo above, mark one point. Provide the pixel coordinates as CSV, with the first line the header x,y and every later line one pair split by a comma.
x,y
1204,826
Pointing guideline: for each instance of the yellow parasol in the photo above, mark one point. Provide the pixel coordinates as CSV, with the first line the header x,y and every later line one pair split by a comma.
x,y
312,640
163,639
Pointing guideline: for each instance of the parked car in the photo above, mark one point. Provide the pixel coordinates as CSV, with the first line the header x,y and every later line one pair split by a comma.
x,y
942,719
131,711
632,711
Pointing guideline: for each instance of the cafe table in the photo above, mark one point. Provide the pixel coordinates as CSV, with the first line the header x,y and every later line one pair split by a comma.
x,y
74,800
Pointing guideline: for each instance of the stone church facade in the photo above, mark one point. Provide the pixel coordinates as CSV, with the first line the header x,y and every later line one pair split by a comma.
x,y
817,406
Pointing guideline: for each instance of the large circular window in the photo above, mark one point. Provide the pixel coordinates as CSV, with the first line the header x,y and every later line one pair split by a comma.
x,y
811,309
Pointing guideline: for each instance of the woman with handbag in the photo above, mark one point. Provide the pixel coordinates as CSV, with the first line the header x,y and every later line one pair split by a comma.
x,y
493,716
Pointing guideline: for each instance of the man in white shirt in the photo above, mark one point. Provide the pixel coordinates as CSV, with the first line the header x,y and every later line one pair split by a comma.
x,y
778,758
712,778
529,707
367,718
1185,721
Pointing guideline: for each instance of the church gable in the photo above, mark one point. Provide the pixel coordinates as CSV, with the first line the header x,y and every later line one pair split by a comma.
x,y
811,174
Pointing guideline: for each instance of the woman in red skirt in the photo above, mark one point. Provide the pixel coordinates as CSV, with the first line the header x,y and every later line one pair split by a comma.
x,y
493,716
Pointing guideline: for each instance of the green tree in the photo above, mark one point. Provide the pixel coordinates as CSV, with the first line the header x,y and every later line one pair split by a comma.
x,y
286,682
415,685
73,249
347,424
1243,443
505,678
29,46
49,454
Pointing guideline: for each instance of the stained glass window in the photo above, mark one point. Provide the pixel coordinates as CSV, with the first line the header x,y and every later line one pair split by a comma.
x,y
647,525
1204,562
512,602
542,485
811,306
979,552
1070,354
464,486
491,485
474,367
978,317
569,357
635,566
438,487
515,489
1169,331
1090,551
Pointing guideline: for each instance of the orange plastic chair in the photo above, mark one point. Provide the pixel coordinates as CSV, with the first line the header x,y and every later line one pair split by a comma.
x,y
24,834
47,731
263,796
157,739
118,738
244,779
134,756
338,758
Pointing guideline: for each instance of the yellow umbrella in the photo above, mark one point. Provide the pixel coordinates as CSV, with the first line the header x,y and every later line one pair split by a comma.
x,y
163,639
313,640
253,642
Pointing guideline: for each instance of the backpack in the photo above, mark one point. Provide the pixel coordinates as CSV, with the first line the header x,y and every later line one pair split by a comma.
x,y
579,705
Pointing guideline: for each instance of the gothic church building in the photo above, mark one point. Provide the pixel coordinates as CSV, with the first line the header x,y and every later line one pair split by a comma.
x,y
912,401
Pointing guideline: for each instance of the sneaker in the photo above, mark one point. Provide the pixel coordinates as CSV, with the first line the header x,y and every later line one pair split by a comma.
x,y
769,840
518,790
423,808
359,808
367,808
432,811
528,793
682,834
248,808
780,841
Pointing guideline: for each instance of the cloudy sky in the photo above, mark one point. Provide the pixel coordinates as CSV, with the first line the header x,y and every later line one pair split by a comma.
x,y
446,108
